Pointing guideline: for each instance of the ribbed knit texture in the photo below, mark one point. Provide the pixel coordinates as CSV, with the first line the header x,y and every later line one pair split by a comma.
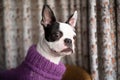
x,y
34,67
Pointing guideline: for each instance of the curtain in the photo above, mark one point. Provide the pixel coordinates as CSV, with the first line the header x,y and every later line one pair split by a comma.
x,y
98,33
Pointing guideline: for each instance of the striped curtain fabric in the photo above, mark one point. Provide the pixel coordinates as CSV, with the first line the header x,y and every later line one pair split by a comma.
x,y
98,33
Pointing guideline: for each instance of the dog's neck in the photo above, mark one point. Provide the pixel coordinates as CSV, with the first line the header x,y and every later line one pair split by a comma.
x,y
44,50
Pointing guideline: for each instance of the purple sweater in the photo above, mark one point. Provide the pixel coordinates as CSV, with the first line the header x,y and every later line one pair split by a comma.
x,y
34,67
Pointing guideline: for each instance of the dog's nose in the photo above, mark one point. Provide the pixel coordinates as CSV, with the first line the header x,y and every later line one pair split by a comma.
x,y
68,42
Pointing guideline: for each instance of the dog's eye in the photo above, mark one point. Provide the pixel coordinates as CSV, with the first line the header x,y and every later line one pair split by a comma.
x,y
56,35
74,37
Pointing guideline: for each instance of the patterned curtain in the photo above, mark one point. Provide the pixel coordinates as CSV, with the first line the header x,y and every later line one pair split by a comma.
x,y
98,33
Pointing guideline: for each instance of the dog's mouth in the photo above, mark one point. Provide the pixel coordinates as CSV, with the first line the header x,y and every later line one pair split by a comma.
x,y
67,50
64,50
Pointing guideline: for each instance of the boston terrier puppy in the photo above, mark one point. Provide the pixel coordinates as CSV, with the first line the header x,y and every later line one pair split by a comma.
x,y
42,61
58,39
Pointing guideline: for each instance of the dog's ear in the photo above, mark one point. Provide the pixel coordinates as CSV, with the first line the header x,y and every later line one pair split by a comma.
x,y
48,16
72,19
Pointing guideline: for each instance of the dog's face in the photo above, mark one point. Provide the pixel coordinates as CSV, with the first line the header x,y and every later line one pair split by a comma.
x,y
59,36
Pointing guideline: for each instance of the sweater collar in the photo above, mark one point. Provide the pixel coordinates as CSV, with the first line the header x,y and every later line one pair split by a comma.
x,y
37,61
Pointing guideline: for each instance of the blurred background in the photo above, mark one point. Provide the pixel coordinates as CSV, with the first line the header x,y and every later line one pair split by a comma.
x,y
98,33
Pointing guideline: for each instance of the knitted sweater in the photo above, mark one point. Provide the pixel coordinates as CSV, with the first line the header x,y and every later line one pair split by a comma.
x,y
34,67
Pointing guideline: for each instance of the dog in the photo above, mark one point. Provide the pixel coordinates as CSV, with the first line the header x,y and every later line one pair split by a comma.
x,y
43,60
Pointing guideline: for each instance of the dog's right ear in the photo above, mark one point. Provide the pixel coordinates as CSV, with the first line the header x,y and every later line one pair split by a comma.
x,y
48,16
73,19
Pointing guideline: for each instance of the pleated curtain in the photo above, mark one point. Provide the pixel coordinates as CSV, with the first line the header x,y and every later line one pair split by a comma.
x,y
98,33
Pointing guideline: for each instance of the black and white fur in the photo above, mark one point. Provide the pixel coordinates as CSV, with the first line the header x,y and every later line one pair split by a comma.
x,y
58,38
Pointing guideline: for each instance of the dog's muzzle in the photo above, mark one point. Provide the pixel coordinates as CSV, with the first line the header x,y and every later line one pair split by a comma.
x,y
67,50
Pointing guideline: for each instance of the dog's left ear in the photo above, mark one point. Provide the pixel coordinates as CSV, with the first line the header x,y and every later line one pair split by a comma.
x,y
48,16
72,19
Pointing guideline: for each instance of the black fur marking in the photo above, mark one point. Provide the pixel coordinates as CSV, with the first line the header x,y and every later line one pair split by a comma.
x,y
52,32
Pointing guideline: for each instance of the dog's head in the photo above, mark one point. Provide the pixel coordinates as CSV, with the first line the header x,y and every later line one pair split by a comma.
x,y
59,36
